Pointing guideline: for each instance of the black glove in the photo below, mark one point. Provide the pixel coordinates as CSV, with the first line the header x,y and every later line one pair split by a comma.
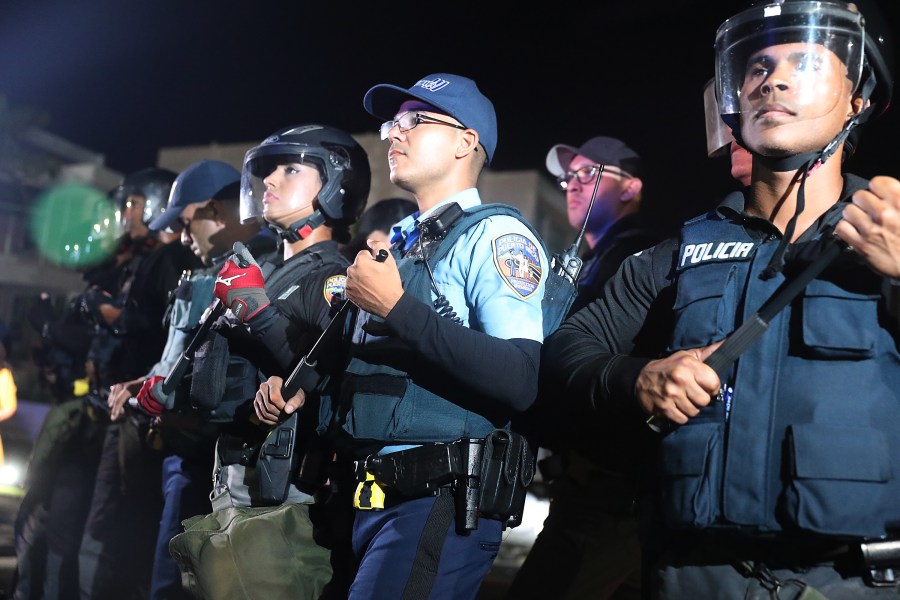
x,y
90,303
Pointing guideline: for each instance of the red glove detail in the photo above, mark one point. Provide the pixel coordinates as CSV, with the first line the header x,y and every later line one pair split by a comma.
x,y
240,285
146,398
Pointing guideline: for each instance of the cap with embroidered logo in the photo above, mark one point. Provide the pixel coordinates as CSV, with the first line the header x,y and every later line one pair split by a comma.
x,y
454,95
601,149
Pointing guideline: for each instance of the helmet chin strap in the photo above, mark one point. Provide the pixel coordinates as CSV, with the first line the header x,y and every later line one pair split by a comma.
x,y
300,229
805,163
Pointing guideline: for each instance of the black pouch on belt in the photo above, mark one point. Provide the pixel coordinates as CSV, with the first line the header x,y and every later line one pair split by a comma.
x,y
507,468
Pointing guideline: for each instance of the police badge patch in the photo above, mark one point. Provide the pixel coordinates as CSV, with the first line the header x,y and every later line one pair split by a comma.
x,y
334,286
519,262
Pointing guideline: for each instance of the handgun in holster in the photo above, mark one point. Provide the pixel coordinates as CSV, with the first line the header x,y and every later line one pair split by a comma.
x,y
416,472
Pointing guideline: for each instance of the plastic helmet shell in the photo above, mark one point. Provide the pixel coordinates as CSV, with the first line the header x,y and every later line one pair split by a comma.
x,y
342,163
153,184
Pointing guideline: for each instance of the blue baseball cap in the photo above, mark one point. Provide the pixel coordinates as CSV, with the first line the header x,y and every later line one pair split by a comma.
x,y
199,182
456,96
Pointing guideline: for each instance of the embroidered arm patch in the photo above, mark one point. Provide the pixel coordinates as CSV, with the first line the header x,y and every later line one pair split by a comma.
x,y
334,286
519,262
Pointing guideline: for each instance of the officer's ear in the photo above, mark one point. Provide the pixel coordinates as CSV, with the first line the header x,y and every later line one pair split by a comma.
x,y
468,143
213,210
631,189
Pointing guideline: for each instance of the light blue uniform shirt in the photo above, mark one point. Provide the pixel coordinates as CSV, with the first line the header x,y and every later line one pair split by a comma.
x,y
494,275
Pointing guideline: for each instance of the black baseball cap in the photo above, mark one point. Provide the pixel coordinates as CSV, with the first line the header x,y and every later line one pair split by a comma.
x,y
601,149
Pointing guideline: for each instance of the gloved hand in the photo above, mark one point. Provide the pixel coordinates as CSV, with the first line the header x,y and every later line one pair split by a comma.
x,y
90,301
240,285
151,399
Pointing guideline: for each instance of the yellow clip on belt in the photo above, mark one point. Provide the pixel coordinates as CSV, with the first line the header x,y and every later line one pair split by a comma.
x,y
369,495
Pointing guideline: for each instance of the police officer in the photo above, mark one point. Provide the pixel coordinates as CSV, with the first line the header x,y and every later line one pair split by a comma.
x,y
588,546
204,209
130,339
777,477
309,183
615,226
420,377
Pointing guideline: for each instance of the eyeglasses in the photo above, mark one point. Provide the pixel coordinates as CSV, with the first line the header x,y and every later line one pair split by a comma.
x,y
587,174
409,120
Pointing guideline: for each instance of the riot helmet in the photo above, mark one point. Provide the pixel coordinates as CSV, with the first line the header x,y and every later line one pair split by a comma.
x,y
153,184
862,46
343,168
793,49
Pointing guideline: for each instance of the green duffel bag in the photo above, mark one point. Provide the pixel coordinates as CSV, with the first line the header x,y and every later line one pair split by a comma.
x,y
252,553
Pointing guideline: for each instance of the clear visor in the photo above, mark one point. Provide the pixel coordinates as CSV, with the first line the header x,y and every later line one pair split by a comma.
x,y
795,47
718,134
252,191
259,163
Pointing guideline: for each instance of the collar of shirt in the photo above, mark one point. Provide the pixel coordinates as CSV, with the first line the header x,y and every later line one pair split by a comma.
x,y
407,227
402,230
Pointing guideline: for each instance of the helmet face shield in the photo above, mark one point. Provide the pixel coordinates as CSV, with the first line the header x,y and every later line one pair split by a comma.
x,y
793,49
261,162
718,134
153,185
333,172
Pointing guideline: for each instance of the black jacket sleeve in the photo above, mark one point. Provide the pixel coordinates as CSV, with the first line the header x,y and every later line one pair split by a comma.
x,y
288,328
598,352
505,370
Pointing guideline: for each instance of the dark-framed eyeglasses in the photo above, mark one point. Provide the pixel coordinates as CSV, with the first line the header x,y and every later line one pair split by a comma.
x,y
587,173
409,120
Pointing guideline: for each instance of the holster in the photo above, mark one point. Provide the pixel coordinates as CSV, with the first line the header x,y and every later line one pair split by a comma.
x,y
489,477
277,461
507,468
416,472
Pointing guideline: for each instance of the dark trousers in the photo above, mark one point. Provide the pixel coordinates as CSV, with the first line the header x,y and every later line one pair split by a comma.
x,y
386,542
51,518
186,483
120,534
583,551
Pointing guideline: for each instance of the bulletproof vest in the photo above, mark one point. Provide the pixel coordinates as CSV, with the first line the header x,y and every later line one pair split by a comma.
x,y
387,393
805,434
223,381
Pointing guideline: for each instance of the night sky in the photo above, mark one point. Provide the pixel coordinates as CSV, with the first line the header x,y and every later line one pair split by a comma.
x,y
126,77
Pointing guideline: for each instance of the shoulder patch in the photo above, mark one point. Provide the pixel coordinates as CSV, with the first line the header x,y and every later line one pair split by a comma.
x,y
334,286
518,261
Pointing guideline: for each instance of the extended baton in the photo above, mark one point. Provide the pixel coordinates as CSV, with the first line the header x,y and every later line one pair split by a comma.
x,y
744,336
278,455
304,376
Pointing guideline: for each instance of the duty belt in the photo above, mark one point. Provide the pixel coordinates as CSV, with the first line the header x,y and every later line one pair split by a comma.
x,y
488,477
877,562
408,474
